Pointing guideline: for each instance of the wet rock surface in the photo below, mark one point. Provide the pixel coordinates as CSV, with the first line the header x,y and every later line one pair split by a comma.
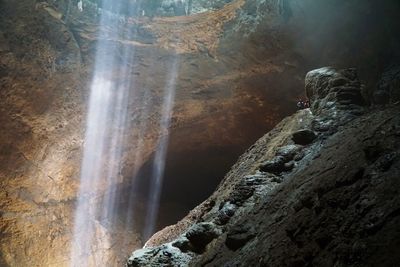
x,y
337,206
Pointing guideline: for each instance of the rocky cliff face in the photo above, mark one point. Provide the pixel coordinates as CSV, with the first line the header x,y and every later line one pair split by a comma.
x,y
45,69
241,69
320,189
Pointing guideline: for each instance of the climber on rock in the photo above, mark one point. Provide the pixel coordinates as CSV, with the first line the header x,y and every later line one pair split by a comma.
x,y
303,104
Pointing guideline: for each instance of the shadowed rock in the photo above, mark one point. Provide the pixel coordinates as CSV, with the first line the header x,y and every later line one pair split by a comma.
x,y
201,234
304,137
239,236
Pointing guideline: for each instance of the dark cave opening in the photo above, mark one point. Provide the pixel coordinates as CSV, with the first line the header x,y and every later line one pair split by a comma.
x,y
191,175
197,160
192,172
200,153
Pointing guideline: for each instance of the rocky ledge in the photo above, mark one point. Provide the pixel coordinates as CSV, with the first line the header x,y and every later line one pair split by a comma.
x,y
321,189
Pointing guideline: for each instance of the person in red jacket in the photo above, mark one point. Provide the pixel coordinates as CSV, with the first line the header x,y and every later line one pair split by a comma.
x,y
303,104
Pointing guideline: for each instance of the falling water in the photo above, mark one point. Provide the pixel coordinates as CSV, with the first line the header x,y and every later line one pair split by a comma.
x,y
107,122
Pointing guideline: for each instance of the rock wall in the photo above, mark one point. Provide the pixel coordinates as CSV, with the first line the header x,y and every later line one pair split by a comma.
x,y
45,67
156,8
320,189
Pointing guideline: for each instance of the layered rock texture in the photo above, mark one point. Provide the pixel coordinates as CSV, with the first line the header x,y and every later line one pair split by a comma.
x,y
241,69
320,189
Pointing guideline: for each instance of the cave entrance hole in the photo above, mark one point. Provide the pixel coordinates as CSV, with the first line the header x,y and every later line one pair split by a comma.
x,y
194,168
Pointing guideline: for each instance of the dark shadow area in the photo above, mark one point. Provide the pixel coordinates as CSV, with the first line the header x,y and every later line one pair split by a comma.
x,y
197,160
201,152
191,175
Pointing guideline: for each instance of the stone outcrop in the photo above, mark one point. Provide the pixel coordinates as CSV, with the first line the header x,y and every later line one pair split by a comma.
x,y
329,89
337,205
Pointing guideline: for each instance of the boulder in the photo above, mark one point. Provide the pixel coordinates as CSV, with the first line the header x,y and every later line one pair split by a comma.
x,y
289,151
275,166
201,234
304,137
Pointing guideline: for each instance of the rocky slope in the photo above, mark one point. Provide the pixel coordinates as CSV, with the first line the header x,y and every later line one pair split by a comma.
x,y
320,189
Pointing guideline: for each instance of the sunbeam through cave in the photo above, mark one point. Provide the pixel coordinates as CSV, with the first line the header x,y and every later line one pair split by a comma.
x,y
199,133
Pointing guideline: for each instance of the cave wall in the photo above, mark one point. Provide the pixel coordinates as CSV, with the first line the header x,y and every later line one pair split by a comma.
x,y
241,71
362,34
320,189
